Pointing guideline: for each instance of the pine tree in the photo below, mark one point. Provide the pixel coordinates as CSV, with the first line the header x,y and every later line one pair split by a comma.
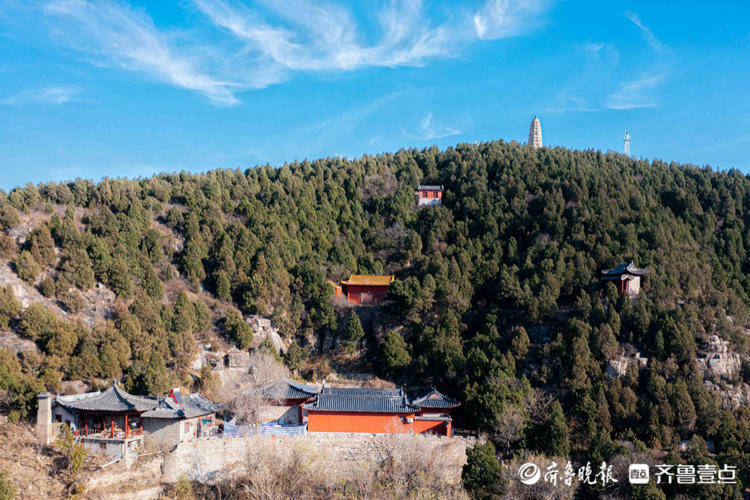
x,y
223,286
238,329
395,353
9,306
557,443
354,331
26,266
155,381
184,314
482,473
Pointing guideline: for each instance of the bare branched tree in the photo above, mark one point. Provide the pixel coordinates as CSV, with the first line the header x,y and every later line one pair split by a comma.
x,y
509,428
243,396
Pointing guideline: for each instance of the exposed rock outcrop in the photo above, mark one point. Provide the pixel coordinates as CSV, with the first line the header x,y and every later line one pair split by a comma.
x,y
263,328
718,360
618,367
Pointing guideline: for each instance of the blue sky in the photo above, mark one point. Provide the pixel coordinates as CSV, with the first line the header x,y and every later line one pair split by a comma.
x,y
112,88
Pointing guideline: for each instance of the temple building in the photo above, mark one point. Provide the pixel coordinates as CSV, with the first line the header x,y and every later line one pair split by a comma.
x,y
283,402
435,403
535,133
178,418
627,278
113,422
429,195
379,411
366,289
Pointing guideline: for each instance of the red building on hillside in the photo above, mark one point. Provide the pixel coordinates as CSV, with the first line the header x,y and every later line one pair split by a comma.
x,y
380,411
366,288
429,195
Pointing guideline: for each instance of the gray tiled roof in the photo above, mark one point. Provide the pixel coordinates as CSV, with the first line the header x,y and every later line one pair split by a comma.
x,y
362,391
361,403
623,268
434,399
289,390
113,399
193,405
427,187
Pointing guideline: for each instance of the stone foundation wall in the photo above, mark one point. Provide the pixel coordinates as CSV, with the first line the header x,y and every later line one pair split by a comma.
x,y
212,458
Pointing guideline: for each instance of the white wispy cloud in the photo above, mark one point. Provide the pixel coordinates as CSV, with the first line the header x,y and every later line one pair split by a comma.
x,y
635,94
648,35
267,42
126,38
507,18
428,130
319,36
45,95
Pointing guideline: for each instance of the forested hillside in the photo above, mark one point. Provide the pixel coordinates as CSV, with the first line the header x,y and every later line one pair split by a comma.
x,y
497,299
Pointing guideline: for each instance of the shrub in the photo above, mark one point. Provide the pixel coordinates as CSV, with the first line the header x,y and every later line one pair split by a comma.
x,y
8,489
9,306
182,489
73,300
47,287
26,267
8,246
238,329
8,216
395,353
482,474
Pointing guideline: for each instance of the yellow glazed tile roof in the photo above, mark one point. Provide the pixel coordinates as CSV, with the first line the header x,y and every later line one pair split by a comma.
x,y
369,280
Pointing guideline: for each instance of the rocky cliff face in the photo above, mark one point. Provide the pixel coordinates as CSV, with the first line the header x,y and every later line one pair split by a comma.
x,y
717,359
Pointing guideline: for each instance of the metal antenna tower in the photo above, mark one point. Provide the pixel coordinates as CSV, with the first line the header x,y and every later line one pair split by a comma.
x,y
626,142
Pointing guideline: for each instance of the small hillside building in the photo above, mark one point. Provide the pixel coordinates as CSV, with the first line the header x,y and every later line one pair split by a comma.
x,y
283,402
366,289
427,195
378,411
179,418
435,403
114,422
627,278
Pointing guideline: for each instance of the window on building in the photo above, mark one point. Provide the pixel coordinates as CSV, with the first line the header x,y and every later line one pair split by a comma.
x,y
187,427
58,418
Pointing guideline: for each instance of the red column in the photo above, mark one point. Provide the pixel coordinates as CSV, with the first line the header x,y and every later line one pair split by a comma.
x,y
112,421
448,430
126,426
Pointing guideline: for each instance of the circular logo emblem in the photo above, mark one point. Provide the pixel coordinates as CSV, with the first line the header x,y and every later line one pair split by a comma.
x,y
529,473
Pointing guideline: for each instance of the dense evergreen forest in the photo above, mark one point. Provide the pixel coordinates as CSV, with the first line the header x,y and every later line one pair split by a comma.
x,y
497,299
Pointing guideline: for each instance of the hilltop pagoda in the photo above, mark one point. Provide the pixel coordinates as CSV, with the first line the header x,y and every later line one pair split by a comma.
x,y
535,133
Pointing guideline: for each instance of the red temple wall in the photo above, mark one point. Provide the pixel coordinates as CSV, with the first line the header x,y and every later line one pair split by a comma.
x,y
373,423
382,423
359,294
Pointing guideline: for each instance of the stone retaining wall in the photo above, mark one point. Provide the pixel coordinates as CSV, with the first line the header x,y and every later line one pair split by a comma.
x,y
213,458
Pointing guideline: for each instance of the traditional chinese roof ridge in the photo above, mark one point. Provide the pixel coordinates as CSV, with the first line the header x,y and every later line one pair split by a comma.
x,y
361,404
193,405
362,391
435,399
434,418
369,280
65,399
288,389
622,269
428,187
113,399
